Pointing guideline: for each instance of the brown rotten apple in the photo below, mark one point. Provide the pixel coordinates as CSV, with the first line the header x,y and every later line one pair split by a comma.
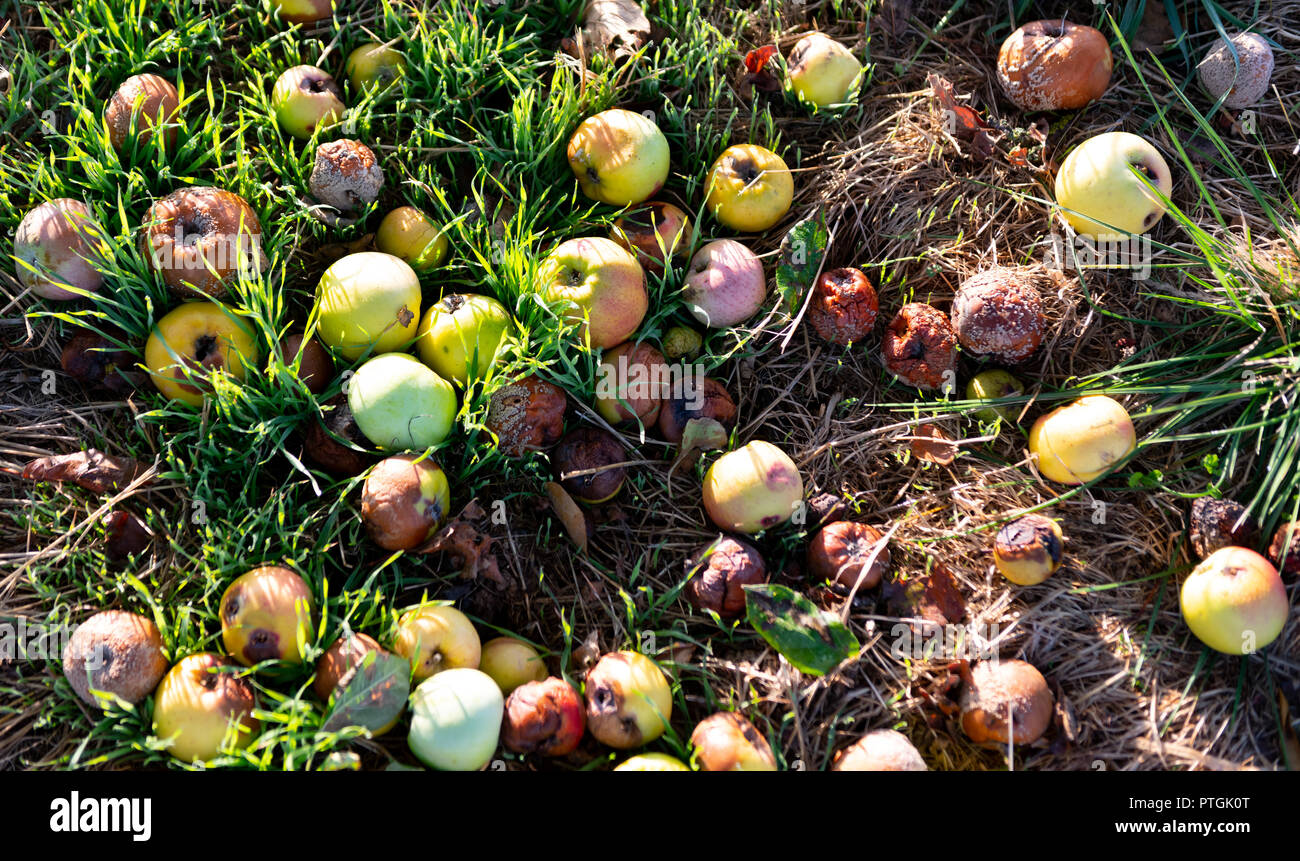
x,y
148,101
544,717
707,400
631,383
1005,702
93,360
322,441
346,175
728,742
584,463
1054,65
340,661
880,750
1029,549
199,238
1218,523
920,347
1284,549
264,615
527,415
850,554
722,570
315,366
404,501
629,702
999,313
116,652
655,232
844,306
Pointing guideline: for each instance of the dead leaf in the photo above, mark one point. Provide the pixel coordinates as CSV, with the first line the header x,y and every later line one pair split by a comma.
x,y
931,444
125,535
961,121
91,469
585,656
615,27
699,435
467,545
757,73
932,596
572,517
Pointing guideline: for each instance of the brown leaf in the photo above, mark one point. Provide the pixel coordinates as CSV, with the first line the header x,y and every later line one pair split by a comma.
x,y
931,444
585,656
932,596
91,469
467,545
699,435
615,27
573,518
893,15
125,535
962,122
757,72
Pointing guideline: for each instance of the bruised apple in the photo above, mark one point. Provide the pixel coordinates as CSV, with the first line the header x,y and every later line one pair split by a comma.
x,y
201,705
654,232
752,488
544,717
265,614
404,502
727,741
57,246
629,702
631,383
749,188
192,342
1082,440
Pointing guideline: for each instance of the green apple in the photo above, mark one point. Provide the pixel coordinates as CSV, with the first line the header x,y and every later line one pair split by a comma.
x,y
619,157
1234,601
511,663
753,488
400,404
408,233
306,98
600,284
822,70
456,720
462,334
368,301
991,386
1099,193
374,65
652,762
303,11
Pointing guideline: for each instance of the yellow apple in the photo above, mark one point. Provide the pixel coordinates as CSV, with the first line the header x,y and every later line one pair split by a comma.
x,y
202,337
749,188
462,334
619,157
200,704
629,702
822,70
264,613
1234,601
303,11
652,762
1101,196
511,663
601,284
374,64
1082,440
368,301
306,98
436,638
753,488
408,233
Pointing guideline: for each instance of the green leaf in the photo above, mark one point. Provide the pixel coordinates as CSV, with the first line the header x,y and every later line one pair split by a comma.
x,y
811,639
374,696
802,251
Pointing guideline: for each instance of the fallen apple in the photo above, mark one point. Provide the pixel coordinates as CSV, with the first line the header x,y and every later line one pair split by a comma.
x,y
315,367
753,488
346,176
266,614
456,720
880,750
822,71
991,386
655,232
369,301
631,383
1029,549
404,501
695,398
436,638
1082,440
374,65
727,741
629,702
1238,74
115,652
339,661
725,284
719,573
844,306
1234,601
1054,65
527,415
305,99
749,188
585,463
998,313
462,334
619,157
511,663
652,762
201,709
545,717
1005,702
303,11
418,240
682,342
599,284
191,343
58,247
854,555
400,404
147,102
200,239
1102,186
